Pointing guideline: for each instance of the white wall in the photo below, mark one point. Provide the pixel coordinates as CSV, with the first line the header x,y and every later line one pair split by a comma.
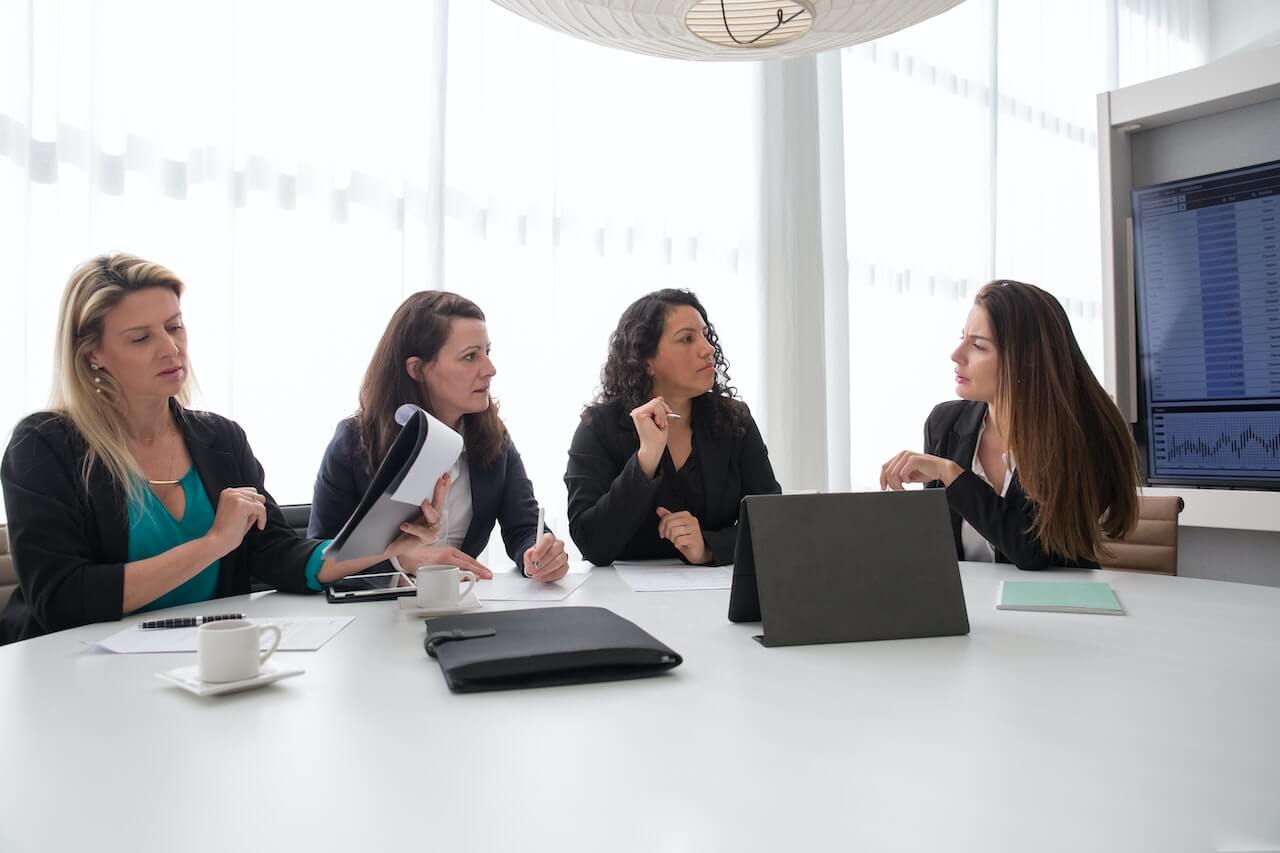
x,y
1236,25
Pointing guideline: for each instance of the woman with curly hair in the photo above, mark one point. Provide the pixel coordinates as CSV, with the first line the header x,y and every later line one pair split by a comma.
x,y
663,457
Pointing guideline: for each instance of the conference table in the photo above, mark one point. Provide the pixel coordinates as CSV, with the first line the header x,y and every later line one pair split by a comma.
x,y
1158,730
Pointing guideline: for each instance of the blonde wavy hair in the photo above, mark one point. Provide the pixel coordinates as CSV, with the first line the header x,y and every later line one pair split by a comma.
x,y
97,408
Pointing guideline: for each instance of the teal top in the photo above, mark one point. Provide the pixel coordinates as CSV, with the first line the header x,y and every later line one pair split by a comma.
x,y
153,530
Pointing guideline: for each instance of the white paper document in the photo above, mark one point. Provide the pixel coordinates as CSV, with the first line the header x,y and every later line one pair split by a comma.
x,y
509,586
439,451
673,575
297,635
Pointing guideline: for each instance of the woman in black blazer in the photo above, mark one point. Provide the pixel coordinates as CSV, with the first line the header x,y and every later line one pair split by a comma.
x,y
661,461
121,499
1036,460
435,354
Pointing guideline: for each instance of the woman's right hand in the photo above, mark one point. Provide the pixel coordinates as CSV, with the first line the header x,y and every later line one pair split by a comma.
x,y
416,544
651,425
238,510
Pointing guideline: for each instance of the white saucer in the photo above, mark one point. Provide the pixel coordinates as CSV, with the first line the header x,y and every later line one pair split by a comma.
x,y
188,678
409,605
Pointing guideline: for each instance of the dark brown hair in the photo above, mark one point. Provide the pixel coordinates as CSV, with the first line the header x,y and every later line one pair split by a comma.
x,y
419,328
1074,452
625,377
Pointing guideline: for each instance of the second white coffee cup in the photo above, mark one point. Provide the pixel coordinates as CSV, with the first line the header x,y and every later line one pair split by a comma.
x,y
442,587
227,650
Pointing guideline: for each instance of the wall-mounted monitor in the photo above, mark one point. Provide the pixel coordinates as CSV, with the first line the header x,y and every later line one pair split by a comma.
x,y
1208,321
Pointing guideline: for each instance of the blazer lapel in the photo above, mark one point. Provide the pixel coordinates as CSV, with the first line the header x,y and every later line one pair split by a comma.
x,y
964,434
713,460
217,470
486,491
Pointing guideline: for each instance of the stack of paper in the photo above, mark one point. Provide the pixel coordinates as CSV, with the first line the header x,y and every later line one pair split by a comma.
x,y
297,635
1059,597
673,575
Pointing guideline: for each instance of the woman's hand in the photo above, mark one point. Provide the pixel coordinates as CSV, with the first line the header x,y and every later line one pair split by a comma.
x,y
415,555
238,510
651,425
546,561
911,467
683,530
416,544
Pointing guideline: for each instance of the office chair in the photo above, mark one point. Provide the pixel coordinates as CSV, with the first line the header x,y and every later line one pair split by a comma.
x,y
8,577
1152,545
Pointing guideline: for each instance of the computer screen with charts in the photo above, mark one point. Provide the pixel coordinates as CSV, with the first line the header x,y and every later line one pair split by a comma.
x,y
1208,311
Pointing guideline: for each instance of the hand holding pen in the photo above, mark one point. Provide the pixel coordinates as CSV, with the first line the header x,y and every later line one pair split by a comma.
x,y
651,421
546,560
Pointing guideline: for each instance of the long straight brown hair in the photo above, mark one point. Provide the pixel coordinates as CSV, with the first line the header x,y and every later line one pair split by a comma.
x,y
419,328
1074,452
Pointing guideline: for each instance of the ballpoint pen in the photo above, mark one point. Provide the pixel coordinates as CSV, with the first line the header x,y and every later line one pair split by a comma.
x,y
541,530
188,621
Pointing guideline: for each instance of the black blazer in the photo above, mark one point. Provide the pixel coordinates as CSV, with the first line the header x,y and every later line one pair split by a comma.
x,y
952,433
70,545
612,506
500,493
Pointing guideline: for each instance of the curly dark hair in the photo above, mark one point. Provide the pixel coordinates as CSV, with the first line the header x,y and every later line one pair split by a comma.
x,y
625,378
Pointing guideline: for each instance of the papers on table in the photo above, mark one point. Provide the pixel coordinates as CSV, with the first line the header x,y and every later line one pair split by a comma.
x,y
672,575
509,586
297,635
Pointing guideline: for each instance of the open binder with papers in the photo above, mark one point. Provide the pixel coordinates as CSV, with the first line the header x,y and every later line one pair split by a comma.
x,y
423,451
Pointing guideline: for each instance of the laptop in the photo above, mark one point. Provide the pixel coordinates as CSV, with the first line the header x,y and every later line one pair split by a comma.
x,y
837,568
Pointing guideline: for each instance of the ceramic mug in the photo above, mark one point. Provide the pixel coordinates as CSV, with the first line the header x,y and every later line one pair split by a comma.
x,y
227,650
442,587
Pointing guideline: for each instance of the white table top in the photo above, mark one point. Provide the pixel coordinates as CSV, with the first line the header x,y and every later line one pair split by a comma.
x,y
1159,730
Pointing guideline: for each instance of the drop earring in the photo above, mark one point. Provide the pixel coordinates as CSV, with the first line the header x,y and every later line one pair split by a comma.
x,y
97,378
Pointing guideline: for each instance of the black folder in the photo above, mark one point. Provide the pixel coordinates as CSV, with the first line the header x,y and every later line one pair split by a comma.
x,y
541,647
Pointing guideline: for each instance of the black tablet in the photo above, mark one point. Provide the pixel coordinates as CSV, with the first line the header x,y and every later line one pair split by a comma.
x,y
375,587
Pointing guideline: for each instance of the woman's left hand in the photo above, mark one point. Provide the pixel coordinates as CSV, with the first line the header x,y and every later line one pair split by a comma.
x,y
546,561
911,467
683,530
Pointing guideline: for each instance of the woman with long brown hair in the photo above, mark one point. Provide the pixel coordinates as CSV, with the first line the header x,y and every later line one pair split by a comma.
x,y
121,498
435,354
1036,459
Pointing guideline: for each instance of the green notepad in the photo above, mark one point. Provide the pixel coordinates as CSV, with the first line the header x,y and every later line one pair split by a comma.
x,y
1059,597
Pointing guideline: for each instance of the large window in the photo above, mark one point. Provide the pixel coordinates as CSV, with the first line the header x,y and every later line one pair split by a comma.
x,y
305,169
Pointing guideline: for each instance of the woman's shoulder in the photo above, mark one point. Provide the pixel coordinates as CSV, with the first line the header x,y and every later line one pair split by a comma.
x,y
601,415
54,429
949,411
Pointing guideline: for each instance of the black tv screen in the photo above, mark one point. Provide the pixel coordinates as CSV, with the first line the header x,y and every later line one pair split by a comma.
x,y
1208,310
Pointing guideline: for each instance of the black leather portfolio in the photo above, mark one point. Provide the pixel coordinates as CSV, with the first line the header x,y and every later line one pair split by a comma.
x,y
541,647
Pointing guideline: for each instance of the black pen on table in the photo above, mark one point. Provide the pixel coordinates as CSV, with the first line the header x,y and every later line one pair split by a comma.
x,y
188,621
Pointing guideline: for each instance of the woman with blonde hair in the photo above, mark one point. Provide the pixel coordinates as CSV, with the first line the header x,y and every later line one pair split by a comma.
x,y
120,498
1036,459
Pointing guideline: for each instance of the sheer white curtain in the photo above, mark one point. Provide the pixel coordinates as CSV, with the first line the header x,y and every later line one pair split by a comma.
x,y
579,178
304,169
273,161
971,154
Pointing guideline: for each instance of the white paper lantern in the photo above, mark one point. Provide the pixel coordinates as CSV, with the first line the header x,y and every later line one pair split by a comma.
x,y
727,29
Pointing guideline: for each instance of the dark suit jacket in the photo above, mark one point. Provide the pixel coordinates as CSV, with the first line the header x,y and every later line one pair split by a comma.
x,y
612,506
952,433
70,545
500,493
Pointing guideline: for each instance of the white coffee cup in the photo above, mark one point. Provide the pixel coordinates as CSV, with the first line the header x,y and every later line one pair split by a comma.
x,y
227,650
442,587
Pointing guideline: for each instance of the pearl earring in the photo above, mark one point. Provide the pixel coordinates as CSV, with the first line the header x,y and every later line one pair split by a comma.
x,y
97,379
